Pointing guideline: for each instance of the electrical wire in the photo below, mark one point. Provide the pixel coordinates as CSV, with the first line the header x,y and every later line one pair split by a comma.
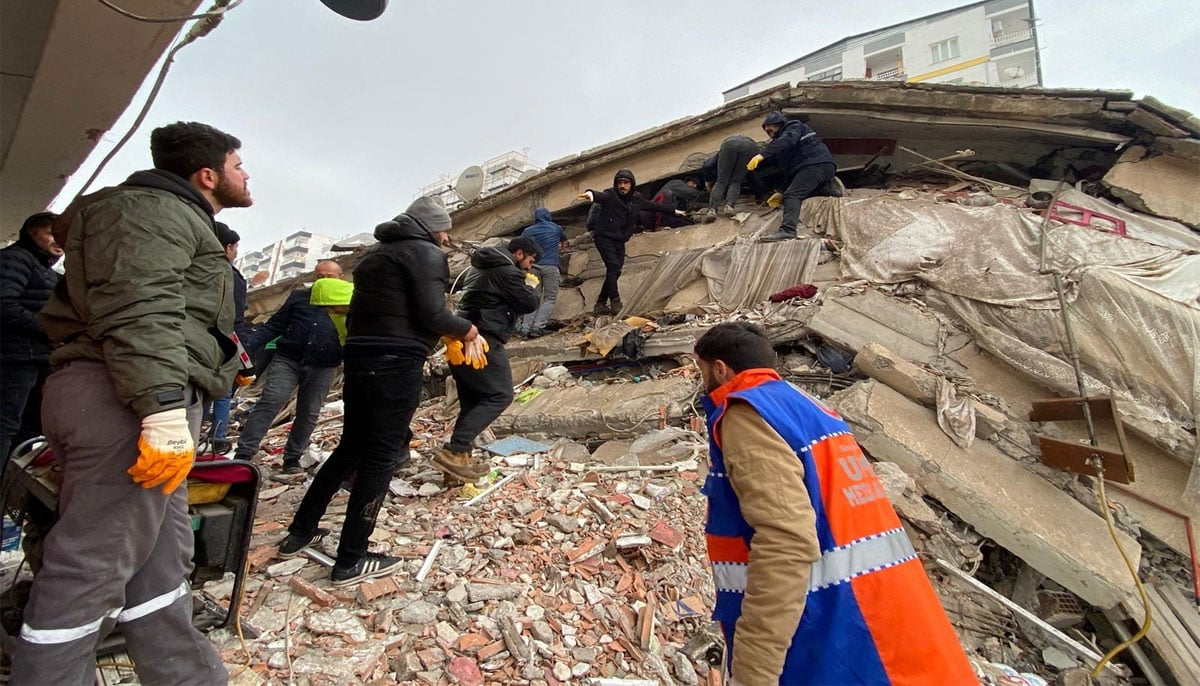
x,y
1112,531
215,12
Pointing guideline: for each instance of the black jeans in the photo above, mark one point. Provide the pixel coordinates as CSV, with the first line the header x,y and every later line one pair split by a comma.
x,y
804,184
483,395
20,404
381,394
612,253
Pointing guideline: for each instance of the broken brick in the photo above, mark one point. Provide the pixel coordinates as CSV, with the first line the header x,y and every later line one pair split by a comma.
x,y
370,591
666,534
308,590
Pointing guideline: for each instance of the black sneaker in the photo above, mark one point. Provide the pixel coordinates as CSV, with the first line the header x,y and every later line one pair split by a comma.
x,y
293,544
291,472
371,566
222,446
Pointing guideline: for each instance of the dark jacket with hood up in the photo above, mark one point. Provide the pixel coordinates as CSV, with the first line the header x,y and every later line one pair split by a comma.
x,y
26,281
495,295
618,213
148,291
794,146
547,234
400,286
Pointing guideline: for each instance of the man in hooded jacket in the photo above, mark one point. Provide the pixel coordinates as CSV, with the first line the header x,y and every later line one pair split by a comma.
x,y
495,294
613,227
26,280
397,313
801,156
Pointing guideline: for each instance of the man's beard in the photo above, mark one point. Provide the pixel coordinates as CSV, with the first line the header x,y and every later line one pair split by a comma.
x,y
230,195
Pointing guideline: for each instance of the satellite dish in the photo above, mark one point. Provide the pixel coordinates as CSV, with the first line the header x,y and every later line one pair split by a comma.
x,y
1014,72
360,10
470,183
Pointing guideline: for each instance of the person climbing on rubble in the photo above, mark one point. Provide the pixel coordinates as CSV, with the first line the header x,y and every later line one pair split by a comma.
x,y
613,227
307,355
550,238
396,315
497,290
804,161
727,170
143,319
817,582
678,193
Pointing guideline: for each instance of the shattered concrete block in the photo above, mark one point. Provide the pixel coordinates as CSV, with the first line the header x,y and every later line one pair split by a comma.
x,y
1027,515
564,523
340,622
853,321
684,670
485,592
1162,185
308,590
578,411
287,567
418,612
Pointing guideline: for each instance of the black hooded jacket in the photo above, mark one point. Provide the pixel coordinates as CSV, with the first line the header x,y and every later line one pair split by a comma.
x,y
495,294
400,286
26,282
618,213
795,145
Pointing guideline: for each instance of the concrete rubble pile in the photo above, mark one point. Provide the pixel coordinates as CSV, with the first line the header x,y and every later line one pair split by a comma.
x,y
934,328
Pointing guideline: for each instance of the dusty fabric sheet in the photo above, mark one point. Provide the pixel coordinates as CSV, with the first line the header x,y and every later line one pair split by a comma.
x,y
747,273
1134,302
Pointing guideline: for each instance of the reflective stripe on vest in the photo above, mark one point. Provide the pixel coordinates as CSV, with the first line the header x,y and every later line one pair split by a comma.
x,y
836,566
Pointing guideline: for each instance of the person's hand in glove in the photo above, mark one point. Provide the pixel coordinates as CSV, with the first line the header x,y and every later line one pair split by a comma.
x,y
754,162
775,200
532,280
454,351
165,451
586,195
243,380
476,352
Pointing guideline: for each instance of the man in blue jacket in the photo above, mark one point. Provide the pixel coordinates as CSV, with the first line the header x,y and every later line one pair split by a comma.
x,y
802,157
307,354
550,237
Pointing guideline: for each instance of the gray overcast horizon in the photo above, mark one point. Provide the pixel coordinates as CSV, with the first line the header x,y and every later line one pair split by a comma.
x,y
342,122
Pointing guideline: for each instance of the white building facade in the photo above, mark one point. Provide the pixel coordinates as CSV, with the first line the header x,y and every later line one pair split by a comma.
x,y
296,254
499,173
991,43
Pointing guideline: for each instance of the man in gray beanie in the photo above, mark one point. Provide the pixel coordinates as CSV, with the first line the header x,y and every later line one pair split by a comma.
x,y
397,314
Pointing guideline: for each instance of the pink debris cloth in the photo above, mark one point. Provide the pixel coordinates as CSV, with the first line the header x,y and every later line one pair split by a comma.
x,y
804,290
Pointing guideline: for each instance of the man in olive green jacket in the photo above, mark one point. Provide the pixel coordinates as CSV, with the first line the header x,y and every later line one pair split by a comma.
x,y
142,321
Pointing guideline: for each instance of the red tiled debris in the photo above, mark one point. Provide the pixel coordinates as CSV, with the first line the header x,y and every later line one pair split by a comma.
x,y
371,591
267,527
666,534
261,555
490,650
305,588
463,670
472,640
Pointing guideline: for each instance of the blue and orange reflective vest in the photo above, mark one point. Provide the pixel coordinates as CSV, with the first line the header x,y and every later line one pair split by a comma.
x,y
871,615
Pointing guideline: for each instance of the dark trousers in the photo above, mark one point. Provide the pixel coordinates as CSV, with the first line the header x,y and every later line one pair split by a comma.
x,y
285,375
612,253
20,404
483,395
381,394
735,153
118,554
803,185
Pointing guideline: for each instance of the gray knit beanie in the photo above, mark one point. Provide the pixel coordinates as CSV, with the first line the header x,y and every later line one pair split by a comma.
x,y
429,214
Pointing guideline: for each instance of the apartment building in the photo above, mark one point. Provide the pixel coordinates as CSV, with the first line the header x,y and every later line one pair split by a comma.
x,y
499,173
990,43
294,255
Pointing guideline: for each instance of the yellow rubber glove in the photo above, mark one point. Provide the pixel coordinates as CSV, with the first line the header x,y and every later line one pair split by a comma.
x,y
476,352
586,195
165,451
454,350
532,280
243,380
775,200
754,162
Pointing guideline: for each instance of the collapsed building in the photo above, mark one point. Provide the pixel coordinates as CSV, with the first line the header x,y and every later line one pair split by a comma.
x,y
935,330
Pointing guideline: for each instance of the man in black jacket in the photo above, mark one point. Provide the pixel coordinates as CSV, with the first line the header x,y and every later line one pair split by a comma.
x,y
220,407
397,313
495,294
613,227
307,354
802,158
26,281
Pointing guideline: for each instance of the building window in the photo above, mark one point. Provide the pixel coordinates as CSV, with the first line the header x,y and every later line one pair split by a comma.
x,y
834,74
945,50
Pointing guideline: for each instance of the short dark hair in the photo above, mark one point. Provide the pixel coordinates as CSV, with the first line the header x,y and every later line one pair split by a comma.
x,y
186,147
36,221
526,245
740,345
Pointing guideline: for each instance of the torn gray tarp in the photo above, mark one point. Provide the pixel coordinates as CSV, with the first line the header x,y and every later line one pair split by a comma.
x,y
1135,304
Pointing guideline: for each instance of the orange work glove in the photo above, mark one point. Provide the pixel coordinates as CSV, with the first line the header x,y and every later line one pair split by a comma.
x,y
243,380
165,451
476,352
454,351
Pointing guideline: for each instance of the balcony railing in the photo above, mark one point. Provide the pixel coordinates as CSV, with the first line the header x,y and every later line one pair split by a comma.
x,y
1001,39
896,74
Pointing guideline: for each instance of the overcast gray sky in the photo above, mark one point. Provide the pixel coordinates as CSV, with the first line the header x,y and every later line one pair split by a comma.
x,y
342,122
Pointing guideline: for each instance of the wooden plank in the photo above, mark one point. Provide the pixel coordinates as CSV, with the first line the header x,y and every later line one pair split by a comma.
x,y
1187,613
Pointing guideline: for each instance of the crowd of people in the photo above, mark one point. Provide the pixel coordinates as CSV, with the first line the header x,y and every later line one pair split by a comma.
x,y
148,327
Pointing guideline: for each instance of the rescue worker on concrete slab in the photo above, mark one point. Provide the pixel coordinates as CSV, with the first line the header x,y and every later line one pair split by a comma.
x,y
614,226
307,355
143,317
817,582
551,239
26,280
497,290
730,172
396,315
804,161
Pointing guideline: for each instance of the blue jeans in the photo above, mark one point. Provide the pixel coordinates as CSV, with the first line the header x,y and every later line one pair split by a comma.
x,y
284,376
220,417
